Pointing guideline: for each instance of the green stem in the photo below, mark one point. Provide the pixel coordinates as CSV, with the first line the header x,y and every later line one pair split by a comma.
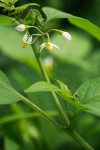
x,y
37,109
53,94
72,120
66,121
80,140
72,133
55,30
28,27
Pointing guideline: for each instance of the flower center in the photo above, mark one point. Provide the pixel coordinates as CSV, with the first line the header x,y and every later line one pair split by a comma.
x,y
48,47
24,45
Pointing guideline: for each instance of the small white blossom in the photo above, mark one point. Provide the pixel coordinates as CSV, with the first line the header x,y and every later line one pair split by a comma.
x,y
27,40
21,27
48,63
48,46
66,36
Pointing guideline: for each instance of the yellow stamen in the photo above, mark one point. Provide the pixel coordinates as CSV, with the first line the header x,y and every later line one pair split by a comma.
x,y
48,47
24,45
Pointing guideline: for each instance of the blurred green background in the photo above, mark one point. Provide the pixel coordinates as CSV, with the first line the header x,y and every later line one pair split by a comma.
x,y
77,61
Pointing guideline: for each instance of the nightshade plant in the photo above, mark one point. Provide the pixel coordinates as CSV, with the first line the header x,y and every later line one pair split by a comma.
x,y
86,97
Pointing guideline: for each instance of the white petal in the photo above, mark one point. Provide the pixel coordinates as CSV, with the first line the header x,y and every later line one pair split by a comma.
x,y
29,41
25,37
56,46
42,46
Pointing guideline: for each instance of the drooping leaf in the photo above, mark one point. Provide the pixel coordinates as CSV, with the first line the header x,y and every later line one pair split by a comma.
x,y
42,86
8,94
82,23
89,95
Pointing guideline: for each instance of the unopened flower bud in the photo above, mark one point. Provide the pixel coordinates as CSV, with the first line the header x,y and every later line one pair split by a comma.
x,y
66,36
21,27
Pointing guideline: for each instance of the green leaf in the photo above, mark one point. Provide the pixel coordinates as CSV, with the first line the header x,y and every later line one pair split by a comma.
x,y
68,97
10,144
65,90
4,20
8,94
42,87
4,1
23,7
71,100
62,85
2,5
89,95
45,87
82,23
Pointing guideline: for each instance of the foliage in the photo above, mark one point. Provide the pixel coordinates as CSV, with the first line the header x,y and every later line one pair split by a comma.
x,y
74,105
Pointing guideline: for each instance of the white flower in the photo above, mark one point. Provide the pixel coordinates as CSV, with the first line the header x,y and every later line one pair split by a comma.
x,y
66,36
48,63
21,27
48,46
27,40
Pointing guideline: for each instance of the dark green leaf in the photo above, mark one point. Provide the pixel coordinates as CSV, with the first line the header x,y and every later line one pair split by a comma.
x,y
89,94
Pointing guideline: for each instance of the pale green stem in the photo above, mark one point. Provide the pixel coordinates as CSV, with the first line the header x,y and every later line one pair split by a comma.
x,y
28,27
55,30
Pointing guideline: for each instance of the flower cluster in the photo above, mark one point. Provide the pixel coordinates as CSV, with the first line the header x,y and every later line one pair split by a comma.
x,y
48,46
